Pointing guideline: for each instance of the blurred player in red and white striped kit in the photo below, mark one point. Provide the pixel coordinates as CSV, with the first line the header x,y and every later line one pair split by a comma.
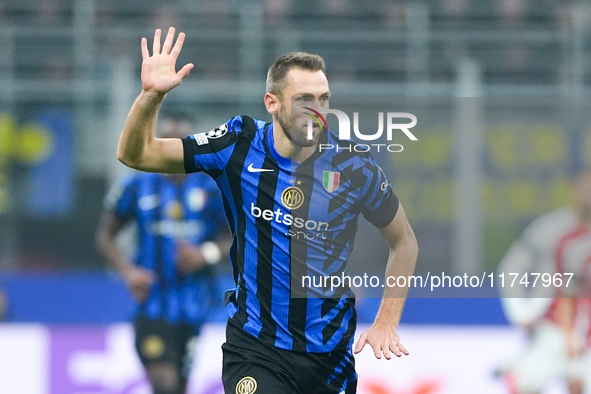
x,y
574,304
539,310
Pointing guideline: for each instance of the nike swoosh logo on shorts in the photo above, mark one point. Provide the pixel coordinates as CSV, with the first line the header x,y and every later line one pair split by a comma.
x,y
252,169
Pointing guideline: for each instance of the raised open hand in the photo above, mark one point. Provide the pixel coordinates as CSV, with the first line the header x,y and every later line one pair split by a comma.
x,y
159,73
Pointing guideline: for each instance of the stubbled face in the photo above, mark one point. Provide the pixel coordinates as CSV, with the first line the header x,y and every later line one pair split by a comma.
x,y
302,89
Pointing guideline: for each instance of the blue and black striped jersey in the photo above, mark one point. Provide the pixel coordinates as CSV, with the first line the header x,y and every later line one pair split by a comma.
x,y
166,213
289,221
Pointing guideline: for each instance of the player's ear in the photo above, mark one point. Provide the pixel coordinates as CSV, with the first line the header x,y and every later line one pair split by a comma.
x,y
271,103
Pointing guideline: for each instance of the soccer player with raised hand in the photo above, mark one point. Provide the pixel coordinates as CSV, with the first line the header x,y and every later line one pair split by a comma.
x,y
286,221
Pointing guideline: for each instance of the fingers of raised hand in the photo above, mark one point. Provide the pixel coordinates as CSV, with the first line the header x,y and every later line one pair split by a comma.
x,y
167,47
168,41
156,43
183,72
144,46
178,45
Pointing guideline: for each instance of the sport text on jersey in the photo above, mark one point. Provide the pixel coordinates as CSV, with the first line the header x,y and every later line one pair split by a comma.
x,y
300,228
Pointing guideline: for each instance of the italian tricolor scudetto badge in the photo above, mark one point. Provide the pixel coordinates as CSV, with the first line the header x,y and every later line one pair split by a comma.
x,y
331,180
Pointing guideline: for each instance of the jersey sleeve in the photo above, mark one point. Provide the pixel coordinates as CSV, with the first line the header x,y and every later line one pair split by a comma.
x,y
121,198
210,151
380,204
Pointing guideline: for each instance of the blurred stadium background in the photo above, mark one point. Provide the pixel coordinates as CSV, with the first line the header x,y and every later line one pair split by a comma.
x,y
69,71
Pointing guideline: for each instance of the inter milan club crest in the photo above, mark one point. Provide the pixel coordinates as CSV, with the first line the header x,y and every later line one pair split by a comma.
x,y
331,180
246,385
292,197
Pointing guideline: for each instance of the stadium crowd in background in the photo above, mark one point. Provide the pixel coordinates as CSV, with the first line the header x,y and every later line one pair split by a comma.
x,y
516,61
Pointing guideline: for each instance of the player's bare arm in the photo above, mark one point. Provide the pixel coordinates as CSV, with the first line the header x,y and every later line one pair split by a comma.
x,y
137,279
565,314
138,147
382,335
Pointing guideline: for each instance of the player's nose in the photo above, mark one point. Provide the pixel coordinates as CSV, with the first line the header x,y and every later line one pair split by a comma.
x,y
316,104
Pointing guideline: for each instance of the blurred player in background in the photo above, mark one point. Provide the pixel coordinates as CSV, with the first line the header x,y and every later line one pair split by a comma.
x,y
574,304
290,215
536,310
181,232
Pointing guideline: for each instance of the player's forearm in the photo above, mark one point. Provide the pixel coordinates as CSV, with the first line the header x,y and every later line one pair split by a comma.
x,y
565,313
113,254
139,130
401,263
390,311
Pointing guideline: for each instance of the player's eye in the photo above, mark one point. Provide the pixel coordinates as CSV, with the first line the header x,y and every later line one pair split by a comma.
x,y
305,99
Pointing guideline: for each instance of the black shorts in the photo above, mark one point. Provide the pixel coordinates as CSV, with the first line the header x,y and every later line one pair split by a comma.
x,y
158,340
252,367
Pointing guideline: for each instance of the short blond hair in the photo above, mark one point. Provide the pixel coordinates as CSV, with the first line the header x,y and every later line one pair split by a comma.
x,y
284,63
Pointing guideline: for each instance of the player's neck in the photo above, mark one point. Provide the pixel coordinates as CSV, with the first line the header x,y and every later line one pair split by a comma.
x,y
286,148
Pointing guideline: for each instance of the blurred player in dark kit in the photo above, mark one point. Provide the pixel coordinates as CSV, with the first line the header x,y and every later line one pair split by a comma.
x,y
180,239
